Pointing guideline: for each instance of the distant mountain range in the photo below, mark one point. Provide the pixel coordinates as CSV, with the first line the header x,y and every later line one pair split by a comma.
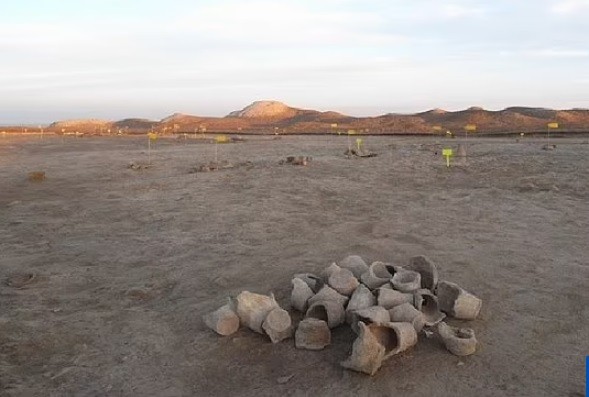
x,y
263,117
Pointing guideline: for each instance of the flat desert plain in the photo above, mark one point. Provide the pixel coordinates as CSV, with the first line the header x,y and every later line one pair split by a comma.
x,y
106,271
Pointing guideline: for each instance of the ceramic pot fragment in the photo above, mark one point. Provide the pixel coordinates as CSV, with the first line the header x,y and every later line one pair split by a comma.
x,y
389,298
278,325
355,264
252,309
458,302
459,341
427,303
406,281
300,295
374,314
332,312
427,269
395,337
367,352
312,334
378,274
224,320
314,282
329,270
407,313
328,294
362,298
343,281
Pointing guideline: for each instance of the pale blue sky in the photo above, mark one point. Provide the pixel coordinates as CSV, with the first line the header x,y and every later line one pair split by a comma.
x,y
62,59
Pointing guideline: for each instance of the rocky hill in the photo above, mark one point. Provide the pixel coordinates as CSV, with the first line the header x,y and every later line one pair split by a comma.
x,y
266,110
269,117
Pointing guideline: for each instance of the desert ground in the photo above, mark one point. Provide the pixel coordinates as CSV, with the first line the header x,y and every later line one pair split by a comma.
x,y
106,271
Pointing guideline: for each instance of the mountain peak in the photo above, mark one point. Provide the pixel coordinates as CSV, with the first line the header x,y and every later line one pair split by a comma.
x,y
264,109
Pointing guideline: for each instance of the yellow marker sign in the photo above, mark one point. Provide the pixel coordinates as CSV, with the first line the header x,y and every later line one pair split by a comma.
x,y
222,139
470,127
447,153
152,136
437,128
351,132
359,143
553,125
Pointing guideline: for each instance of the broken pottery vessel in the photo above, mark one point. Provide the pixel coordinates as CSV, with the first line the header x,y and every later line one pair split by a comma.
x,y
314,282
374,314
378,274
459,341
300,295
278,325
332,312
343,281
224,320
252,309
395,337
367,352
458,302
361,299
427,269
407,313
389,298
328,294
329,270
355,264
406,281
312,334
427,303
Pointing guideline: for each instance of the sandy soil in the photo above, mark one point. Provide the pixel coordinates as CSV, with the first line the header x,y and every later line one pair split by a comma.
x,y
127,261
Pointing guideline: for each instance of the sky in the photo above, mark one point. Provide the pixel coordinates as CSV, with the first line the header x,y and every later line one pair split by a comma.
x,y
113,59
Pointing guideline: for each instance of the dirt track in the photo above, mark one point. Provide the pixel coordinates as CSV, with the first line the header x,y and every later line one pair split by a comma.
x,y
127,261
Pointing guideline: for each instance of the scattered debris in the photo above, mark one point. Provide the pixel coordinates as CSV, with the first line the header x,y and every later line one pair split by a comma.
x,y
284,379
219,166
36,176
136,166
359,153
549,146
386,305
296,160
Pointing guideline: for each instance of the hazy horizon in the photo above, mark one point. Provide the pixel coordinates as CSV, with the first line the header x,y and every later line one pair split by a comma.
x,y
111,60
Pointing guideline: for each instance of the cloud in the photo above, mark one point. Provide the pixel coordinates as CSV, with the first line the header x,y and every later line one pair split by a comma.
x,y
557,53
268,23
568,7
456,11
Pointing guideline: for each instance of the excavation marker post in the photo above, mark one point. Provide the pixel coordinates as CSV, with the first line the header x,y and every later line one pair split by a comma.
x,y
447,153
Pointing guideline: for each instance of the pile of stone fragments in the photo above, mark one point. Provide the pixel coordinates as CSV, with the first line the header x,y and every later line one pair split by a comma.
x,y
384,304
